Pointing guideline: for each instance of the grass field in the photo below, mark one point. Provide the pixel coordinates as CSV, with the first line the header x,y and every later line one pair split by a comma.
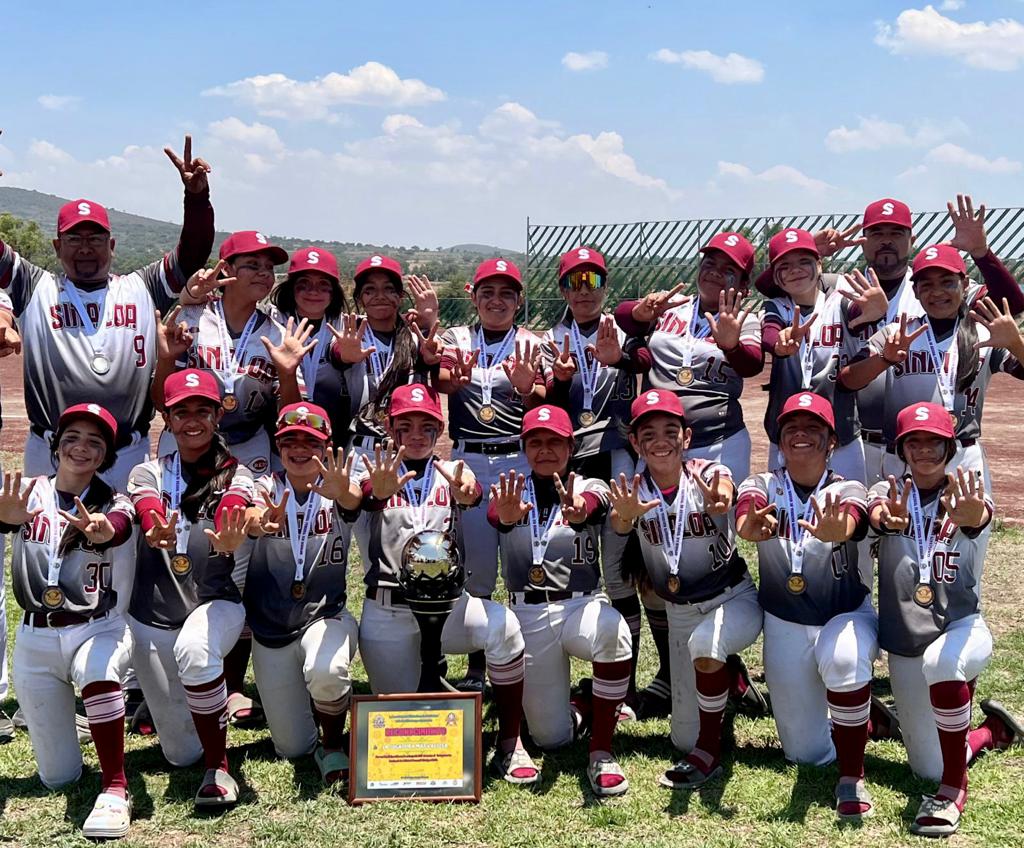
x,y
761,801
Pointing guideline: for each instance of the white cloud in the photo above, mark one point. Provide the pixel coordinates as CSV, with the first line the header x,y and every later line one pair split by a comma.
x,y
730,69
372,84
48,153
592,61
58,102
782,174
255,135
873,133
951,5
995,46
952,154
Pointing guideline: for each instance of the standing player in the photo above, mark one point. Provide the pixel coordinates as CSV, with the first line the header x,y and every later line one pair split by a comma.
x,y
10,342
305,638
820,630
408,491
72,634
186,611
930,619
491,372
682,511
550,531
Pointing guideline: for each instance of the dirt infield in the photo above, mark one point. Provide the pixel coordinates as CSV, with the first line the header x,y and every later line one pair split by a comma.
x,y
1005,451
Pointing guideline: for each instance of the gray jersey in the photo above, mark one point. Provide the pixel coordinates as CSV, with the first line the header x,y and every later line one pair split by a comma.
x,y
274,614
257,386
708,562
572,558
59,350
614,390
464,406
160,597
904,626
833,584
711,401
831,348
85,572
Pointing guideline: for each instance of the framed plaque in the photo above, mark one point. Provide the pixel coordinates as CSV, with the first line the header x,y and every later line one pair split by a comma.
x,y
424,747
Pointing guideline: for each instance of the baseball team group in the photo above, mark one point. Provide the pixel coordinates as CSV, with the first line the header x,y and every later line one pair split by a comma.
x,y
604,463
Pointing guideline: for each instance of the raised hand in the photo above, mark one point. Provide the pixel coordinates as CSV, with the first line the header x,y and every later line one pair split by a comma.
x,y
193,171
348,341
574,508
758,525
829,522
652,306
95,526
385,477
1001,325
790,337
461,483
10,341
964,498
431,346
625,499
461,372
894,513
606,349
234,527
717,496
287,355
507,495
830,240
273,517
335,475
173,338
727,327
969,235
424,299
563,366
163,534
523,371
203,285
14,502
869,296
897,345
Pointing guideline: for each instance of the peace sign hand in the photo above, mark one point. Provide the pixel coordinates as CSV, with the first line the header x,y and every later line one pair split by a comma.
x,y
424,296
897,345
1001,325
727,327
523,371
830,240
163,534
461,372
964,498
869,296
625,500
895,512
759,525
14,502
830,522
202,286
348,342
461,483
384,472
507,495
563,366
335,476
969,235
431,347
173,338
292,349
652,306
193,171
234,527
607,349
790,337
717,496
272,518
574,508
95,526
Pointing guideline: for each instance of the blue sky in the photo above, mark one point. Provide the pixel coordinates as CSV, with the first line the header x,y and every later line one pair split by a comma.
x,y
452,122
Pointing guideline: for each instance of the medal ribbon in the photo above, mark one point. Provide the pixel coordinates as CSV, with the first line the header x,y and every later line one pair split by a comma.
x,y
184,528
488,362
298,540
380,359
418,501
588,371
697,328
91,330
797,534
925,546
807,346
311,361
50,503
229,354
945,366
671,542
540,539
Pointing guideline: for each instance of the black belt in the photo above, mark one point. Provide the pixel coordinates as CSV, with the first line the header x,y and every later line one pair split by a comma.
x,y
540,596
122,441
734,581
58,618
397,595
487,448
964,443
872,438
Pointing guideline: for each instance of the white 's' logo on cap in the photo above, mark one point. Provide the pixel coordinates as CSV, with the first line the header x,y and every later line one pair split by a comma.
x,y
418,396
313,258
302,410
84,208
543,414
583,253
501,265
931,253
732,241
262,239
805,400
887,208
376,261
653,398
94,408
792,237
192,381
921,413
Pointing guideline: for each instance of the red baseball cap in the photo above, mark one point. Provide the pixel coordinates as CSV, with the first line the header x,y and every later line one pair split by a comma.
x,y
252,241
94,412
190,383
379,263
81,211
789,240
581,257
925,418
304,417
501,268
547,417
656,400
810,403
314,259
736,247
415,397
942,256
887,211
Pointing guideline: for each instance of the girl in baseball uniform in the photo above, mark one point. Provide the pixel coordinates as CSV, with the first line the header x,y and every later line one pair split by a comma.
x,y
930,622
72,634
406,490
492,373
186,611
820,630
304,637
550,524
701,349
681,509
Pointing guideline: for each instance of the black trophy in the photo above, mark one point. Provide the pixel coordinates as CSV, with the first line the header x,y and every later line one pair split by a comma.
x,y
432,578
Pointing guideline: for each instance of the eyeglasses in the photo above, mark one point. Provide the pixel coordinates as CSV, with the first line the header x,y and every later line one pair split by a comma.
x,y
589,279
76,240
308,419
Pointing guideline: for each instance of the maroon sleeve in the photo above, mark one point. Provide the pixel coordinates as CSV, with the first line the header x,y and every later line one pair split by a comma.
x,y
749,501
624,318
196,239
227,503
370,503
145,509
597,509
122,525
492,514
747,360
769,336
1000,282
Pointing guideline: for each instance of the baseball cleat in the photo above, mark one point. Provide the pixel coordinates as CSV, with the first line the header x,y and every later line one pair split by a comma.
x,y
885,723
685,775
471,684
1015,732
654,700
19,719
745,695
111,817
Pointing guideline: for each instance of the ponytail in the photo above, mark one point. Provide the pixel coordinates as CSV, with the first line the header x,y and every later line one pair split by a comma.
x,y
406,351
214,472
969,362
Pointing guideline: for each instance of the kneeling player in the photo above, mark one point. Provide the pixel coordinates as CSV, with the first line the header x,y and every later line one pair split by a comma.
x,y
929,576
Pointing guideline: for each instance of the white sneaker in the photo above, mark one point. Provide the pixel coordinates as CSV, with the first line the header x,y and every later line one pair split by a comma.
x,y
110,818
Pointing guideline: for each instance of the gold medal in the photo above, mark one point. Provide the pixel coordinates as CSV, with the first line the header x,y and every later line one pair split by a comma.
x,y
298,590
53,598
486,414
924,595
181,564
381,417
673,584
587,418
537,575
684,376
796,584
230,403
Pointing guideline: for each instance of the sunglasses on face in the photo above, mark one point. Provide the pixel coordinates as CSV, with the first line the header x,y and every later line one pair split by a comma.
x,y
309,419
589,279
